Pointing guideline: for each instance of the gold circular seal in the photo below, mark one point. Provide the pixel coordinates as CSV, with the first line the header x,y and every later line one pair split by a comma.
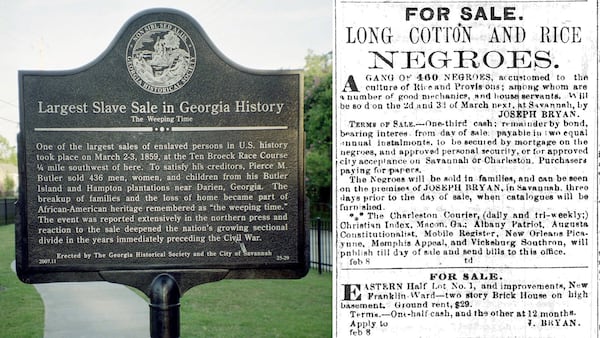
x,y
161,57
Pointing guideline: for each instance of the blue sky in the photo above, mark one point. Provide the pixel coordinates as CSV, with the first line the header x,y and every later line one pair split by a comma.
x,y
66,34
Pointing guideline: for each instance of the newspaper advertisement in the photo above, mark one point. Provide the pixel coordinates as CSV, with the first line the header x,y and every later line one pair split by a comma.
x,y
466,169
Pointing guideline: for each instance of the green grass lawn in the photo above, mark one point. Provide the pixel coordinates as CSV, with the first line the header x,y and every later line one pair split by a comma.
x,y
259,308
22,313
229,308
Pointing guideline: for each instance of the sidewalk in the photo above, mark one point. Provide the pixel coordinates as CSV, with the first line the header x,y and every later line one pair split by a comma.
x,y
93,310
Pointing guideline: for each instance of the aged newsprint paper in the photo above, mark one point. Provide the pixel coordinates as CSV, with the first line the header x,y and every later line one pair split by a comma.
x,y
466,168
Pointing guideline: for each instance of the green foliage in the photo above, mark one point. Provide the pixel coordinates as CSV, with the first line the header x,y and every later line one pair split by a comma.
x,y
318,124
7,187
8,153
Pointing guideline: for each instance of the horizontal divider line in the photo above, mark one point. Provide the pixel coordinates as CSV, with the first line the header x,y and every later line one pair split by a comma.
x,y
230,128
453,1
471,267
122,129
162,129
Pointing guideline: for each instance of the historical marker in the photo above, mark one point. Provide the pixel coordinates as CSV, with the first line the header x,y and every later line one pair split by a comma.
x,y
161,155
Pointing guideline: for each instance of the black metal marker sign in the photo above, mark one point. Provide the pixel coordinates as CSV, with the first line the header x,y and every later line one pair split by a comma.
x,y
161,155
